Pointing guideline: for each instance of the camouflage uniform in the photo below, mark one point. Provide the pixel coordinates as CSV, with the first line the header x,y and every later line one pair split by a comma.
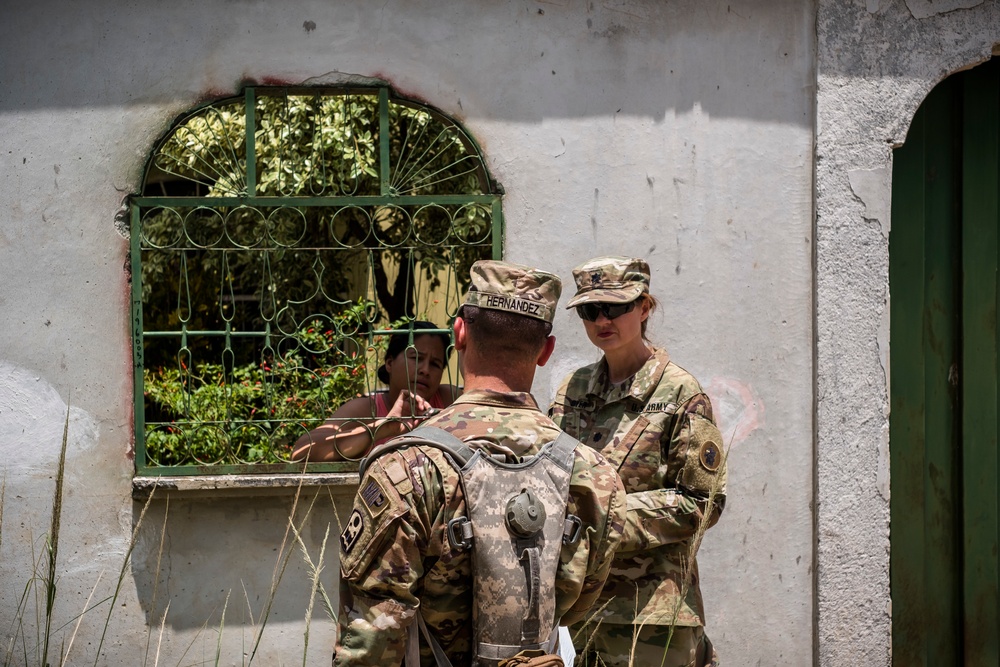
x,y
395,554
658,430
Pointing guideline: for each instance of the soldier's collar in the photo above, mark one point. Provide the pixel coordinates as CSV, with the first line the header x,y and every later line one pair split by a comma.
x,y
643,383
649,375
513,399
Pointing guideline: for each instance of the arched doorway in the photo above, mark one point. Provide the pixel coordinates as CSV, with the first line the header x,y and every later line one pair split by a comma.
x,y
944,255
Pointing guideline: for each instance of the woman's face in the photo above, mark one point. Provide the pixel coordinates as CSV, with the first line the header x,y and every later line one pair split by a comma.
x,y
418,368
620,333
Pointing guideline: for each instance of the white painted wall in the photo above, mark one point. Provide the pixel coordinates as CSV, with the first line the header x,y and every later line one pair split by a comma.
x,y
680,131
877,60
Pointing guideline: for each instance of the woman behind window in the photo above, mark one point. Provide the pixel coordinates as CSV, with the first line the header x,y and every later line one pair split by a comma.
x,y
413,376
652,420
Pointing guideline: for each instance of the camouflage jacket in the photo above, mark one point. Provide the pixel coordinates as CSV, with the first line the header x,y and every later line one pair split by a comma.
x,y
395,556
659,432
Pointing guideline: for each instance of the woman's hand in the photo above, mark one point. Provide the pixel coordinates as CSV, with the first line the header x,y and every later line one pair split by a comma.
x,y
409,404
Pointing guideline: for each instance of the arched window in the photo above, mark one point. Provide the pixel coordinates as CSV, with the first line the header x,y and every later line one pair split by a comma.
x,y
279,237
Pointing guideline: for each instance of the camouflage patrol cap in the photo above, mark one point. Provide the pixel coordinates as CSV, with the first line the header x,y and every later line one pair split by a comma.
x,y
514,288
610,280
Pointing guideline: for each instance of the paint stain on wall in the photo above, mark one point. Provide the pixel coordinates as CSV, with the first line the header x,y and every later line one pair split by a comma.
x,y
32,416
738,410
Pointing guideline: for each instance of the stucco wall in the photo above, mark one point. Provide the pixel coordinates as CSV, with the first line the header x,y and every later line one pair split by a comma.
x,y
681,132
877,60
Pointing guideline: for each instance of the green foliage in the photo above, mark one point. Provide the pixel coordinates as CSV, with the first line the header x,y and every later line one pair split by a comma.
x,y
253,413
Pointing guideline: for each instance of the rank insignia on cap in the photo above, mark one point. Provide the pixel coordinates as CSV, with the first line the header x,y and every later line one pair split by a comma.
x,y
595,278
710,456
355,526
374,497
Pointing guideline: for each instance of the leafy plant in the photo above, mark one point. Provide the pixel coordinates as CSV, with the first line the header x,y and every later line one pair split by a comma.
x,y
252,413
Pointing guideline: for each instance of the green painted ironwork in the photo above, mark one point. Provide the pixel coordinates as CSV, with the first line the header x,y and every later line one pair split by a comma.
x,y
944,257
278,237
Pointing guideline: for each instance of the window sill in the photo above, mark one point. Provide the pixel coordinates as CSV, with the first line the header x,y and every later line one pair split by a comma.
x,y
242,485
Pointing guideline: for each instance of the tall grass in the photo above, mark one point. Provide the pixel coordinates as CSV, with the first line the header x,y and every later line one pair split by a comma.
x,y
34,640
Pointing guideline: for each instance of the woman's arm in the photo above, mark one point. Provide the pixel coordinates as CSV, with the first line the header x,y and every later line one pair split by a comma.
x,y
351,430
696,483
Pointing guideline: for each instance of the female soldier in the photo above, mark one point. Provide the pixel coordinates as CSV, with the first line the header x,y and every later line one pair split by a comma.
x,y
652,420
413,375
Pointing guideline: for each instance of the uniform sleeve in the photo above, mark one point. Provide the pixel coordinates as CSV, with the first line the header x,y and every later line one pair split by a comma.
x,y
597,497
695,483
381,554
558,408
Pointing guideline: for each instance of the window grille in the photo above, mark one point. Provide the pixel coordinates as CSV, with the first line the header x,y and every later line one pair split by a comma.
x,y
280,236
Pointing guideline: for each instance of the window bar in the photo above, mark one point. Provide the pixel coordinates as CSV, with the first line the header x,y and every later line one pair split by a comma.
x,y
383,140
251,134
228,364
183,291
452,294
185,369
410,290
138,386
497,231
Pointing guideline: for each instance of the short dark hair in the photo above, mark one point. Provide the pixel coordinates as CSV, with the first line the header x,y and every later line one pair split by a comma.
x,y
400,340
507,336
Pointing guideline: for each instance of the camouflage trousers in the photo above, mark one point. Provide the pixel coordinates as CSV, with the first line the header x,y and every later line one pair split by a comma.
x,y
611,646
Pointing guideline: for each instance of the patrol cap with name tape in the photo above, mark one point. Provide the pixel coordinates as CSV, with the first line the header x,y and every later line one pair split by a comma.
x,y
610,280
514,288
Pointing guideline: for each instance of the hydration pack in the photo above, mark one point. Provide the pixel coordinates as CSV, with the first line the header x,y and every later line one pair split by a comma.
x,y
516,525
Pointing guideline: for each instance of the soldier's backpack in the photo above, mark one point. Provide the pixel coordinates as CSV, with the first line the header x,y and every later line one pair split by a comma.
x,y
516,526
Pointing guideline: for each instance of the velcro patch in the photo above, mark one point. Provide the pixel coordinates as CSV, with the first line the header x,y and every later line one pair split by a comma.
x,y
703,468
710,456
373,497
355,526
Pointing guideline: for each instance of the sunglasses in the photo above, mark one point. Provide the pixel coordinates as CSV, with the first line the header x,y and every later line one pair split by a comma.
x,y
590,311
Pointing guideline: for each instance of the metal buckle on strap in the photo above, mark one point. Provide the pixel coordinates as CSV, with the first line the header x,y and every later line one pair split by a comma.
x,y
572,529
460,523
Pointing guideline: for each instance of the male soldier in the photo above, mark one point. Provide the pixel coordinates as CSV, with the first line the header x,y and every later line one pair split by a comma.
x,y
396,558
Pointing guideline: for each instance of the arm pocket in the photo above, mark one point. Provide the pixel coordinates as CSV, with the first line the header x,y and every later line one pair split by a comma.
x,y
704,468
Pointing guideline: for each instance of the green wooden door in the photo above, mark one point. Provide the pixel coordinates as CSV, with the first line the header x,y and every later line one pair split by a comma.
x,y
943,273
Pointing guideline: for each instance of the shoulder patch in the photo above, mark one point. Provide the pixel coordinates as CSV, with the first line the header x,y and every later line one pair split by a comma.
x,y
373,497
355,526
710,456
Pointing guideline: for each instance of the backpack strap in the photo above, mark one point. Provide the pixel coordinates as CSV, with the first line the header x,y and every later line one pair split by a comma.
x,y
412,658
562,450
459,452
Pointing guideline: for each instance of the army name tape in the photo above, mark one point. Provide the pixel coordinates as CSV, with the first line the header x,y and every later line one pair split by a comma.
x,y
511,304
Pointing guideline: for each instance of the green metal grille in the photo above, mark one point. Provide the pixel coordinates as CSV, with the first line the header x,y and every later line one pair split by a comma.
x,y
279,237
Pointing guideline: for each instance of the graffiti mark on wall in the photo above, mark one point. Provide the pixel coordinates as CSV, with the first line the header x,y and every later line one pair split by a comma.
x,y
738,410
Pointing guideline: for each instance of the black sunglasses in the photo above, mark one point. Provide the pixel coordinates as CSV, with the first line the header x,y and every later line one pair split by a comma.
x,y
590,311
